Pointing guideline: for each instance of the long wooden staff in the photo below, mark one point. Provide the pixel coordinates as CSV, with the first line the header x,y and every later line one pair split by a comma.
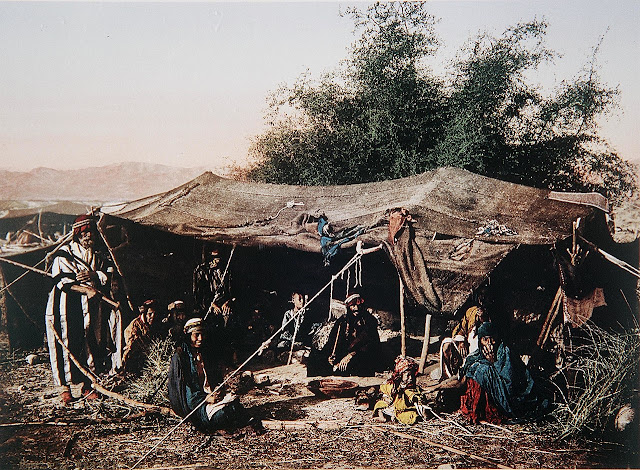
x,y
115,263
75,288
99,388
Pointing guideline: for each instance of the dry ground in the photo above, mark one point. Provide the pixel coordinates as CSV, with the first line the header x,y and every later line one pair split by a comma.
x,y
37,433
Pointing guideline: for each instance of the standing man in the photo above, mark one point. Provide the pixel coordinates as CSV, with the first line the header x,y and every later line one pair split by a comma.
x,y
211,289
74,303
212,303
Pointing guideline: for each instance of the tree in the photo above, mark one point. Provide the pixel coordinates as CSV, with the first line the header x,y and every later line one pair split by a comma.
x,y
384,115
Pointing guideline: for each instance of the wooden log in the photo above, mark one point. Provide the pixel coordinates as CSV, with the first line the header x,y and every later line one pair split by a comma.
x,y
425,343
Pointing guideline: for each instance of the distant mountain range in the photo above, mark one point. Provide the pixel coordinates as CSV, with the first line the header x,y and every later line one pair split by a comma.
x,y
113,183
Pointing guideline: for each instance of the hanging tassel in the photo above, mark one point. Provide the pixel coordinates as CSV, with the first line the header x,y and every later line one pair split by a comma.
x,y
358,273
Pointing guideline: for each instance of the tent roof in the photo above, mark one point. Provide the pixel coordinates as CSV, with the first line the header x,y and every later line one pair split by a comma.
x,y
449,207
448,201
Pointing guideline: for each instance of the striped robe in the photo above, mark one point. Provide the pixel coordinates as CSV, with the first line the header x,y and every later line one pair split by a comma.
x,y
69,313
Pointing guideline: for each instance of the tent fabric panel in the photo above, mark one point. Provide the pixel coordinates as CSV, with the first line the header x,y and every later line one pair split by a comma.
x,y
448,201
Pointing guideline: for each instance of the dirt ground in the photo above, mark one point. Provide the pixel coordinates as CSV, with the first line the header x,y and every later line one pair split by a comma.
x,y
306,431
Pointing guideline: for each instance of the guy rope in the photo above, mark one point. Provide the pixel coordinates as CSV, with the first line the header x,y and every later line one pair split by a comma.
x,y
359,253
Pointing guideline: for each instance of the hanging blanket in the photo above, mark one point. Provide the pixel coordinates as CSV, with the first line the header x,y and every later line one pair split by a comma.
x,y
408,260
330,242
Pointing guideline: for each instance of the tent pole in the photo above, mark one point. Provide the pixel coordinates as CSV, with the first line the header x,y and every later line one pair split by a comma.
x,y
115,262
40,226
403,331
425,343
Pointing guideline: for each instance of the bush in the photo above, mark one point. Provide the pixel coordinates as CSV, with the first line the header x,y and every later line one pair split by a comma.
x,y
603,375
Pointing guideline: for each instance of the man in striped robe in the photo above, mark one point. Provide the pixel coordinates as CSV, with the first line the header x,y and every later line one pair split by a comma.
x,y
80,275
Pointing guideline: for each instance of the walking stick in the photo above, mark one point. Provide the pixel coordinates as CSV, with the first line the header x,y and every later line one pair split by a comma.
x,y
76,288
224,275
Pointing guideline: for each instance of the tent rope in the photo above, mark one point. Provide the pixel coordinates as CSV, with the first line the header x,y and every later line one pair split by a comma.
x,y
612,259
263,346
62,242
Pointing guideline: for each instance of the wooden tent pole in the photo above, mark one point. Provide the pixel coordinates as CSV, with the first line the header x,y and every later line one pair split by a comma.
x,y
403,331
40,225
115,262
551,316
425,343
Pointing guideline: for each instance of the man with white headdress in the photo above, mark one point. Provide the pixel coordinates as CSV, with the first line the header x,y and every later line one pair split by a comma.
x,y
193,388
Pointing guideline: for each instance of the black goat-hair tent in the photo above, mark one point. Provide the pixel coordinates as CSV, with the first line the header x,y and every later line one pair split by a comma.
x,y
463,228
449,207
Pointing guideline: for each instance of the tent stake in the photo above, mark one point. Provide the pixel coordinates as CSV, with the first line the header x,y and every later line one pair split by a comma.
x,y
425,343
403,331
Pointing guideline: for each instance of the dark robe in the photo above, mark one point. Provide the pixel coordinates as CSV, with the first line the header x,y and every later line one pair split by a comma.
x,y
349,334
186,393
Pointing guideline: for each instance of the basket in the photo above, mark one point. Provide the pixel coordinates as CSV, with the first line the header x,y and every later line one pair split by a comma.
x,y
333,388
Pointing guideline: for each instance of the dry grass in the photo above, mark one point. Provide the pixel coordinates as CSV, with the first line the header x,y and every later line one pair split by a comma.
x,y
603,374
151,386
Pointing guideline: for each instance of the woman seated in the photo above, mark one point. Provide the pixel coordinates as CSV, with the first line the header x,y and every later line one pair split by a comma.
x,y
496,383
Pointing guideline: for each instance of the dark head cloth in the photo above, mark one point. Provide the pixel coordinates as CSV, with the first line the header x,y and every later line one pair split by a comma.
x,y
487,329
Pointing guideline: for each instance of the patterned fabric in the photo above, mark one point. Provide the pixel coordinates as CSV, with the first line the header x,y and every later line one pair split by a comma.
x,y
402,364
477,406
70,314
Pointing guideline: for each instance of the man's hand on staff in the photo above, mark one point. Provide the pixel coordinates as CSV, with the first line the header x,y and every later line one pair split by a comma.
x,y
89,291
224,310
344,362
86,277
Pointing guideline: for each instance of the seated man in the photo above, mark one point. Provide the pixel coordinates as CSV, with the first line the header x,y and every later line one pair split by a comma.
x,y
497,384
174,322
401,397
353,346
138,336
193,376
291,331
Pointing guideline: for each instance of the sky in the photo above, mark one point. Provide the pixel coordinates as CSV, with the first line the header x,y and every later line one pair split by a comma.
x,y
186,84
